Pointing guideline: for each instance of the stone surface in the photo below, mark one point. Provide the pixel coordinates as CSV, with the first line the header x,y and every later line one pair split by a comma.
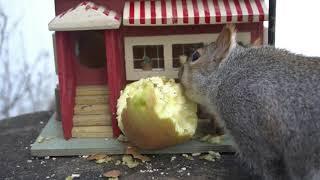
x,y
16,162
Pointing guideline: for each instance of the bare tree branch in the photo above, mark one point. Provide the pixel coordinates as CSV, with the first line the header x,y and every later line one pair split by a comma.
x,y
24,84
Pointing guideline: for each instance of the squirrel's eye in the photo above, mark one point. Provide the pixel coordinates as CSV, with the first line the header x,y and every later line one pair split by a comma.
x,y
195,55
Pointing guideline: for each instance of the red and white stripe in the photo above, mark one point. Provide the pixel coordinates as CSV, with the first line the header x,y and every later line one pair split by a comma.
x,y
190,12
86,16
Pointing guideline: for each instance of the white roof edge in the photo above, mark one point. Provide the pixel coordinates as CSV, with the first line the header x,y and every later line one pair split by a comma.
x,y
86,16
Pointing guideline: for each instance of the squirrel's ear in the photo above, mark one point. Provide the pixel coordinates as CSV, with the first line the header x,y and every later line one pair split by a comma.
x,y
225,42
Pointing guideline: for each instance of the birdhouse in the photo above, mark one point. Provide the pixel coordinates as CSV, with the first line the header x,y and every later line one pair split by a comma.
x,y
104,44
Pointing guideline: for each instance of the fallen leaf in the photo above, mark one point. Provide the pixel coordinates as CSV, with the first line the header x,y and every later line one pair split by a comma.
x,y
188,157
136,154
215,154
75,176
129,161
215,140
118,162
212,156
115,178
196,154
207,157
104,160
69,178
96,157
112,174
173,158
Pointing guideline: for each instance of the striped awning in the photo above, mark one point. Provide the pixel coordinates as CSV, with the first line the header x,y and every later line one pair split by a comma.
x,y
191,12
86,16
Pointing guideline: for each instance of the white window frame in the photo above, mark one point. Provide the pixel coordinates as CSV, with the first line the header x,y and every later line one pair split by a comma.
x,y
157,69
167,42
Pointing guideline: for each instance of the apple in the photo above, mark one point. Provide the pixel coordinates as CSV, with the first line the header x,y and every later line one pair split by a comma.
x,y
153,113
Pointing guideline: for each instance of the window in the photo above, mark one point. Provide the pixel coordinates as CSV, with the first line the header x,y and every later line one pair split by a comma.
x,y
152,54
183,49
163,53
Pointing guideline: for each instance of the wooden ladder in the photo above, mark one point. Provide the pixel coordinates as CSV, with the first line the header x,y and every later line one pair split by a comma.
x,y
92,117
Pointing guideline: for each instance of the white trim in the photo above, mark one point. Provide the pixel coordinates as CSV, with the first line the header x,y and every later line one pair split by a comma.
x,y
85,17
167,42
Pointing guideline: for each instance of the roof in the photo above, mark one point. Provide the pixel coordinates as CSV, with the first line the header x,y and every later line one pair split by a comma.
x,y
86,16
191,12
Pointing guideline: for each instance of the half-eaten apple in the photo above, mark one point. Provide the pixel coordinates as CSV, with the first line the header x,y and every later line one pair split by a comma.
x,y
154,113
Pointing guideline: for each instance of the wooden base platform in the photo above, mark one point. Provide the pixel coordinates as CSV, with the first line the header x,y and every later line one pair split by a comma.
x,y
51,143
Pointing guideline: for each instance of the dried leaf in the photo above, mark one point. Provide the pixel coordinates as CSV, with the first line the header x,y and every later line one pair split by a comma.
x,y
136,154
212,156
188,157
115,178
118,162
104,160
215,154
75,175
207,157
96,157
215,140
196,154
69,178
112,174
173,158
100,161
129,161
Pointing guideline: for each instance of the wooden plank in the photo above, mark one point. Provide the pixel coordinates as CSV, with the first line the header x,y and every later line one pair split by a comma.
x,y
93,87
92,120
89,100
91,109
56,145
92,131
92,90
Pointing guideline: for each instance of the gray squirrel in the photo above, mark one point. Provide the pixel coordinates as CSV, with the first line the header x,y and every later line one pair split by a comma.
x,y
268,99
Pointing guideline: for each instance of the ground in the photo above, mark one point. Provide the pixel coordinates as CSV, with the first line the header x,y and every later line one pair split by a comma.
x,y
18,133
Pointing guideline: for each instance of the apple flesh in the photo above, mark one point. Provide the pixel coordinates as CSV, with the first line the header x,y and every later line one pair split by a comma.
x,y
153,113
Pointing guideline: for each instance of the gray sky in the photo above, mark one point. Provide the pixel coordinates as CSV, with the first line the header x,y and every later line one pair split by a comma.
x,y
298,26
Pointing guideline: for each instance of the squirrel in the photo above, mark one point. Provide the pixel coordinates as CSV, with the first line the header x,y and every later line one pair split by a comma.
x,y
268,100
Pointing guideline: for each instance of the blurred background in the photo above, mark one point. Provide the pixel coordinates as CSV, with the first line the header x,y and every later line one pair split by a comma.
x,y
27,75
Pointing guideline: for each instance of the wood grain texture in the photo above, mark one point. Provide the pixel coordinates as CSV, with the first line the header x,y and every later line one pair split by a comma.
x,y
92,120
90,100
91,109
92,131
91,90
